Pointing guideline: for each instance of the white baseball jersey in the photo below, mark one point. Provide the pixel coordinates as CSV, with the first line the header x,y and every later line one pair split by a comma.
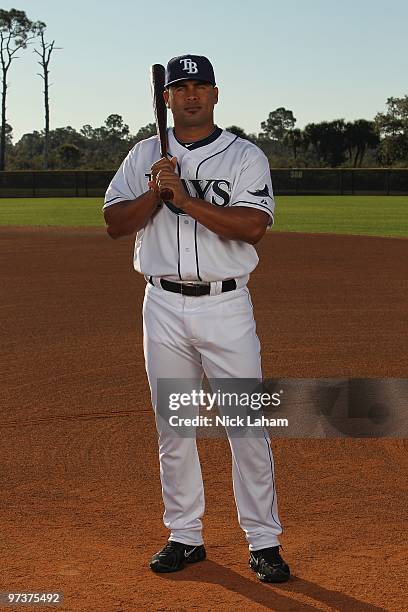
x,y
222,169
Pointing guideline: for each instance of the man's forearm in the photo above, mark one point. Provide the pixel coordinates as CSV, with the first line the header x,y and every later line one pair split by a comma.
x,y
232,223
240,223
126,218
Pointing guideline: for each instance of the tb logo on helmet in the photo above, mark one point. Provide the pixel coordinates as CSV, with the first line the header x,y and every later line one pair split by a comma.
x,y
189,65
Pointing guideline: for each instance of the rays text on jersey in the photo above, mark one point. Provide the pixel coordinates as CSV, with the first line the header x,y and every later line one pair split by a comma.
x,y
200,188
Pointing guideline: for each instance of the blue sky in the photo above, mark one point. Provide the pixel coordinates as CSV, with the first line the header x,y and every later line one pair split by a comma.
x,y
320,58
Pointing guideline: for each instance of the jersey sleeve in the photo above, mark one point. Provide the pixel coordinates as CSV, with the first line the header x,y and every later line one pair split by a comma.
x,y
254,185
129,182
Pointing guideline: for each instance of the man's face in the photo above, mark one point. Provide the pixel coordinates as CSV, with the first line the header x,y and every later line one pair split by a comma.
x,y
191,102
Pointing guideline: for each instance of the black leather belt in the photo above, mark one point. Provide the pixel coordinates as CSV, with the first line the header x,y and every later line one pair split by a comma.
x,y
194,289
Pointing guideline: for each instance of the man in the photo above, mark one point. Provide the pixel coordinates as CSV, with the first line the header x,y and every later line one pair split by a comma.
x,y
196,253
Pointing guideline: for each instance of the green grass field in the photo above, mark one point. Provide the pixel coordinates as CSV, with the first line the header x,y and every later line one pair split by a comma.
x,y
366,215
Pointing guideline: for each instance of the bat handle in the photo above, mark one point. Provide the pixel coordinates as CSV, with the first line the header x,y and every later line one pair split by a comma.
x,y
166,195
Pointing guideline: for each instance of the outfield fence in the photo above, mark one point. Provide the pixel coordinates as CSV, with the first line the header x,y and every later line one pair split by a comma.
x,y
286,181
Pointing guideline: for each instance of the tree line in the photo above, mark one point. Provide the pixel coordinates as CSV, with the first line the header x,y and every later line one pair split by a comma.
x,y
380,142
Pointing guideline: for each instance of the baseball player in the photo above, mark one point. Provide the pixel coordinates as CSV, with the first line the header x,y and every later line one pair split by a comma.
x,y
196,253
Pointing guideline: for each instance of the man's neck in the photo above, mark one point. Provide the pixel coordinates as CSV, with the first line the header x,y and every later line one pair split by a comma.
x,y
192,134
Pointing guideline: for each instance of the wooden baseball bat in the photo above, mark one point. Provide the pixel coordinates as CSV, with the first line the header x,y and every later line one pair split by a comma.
x,y
157,80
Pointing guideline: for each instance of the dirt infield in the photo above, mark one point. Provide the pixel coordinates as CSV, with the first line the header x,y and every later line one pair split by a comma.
x,y
81,504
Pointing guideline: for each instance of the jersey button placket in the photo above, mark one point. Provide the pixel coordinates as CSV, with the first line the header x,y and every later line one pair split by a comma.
x,y
187,250
186,235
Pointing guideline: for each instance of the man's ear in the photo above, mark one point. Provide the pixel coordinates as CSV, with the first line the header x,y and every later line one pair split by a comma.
x,y
215,95
166,97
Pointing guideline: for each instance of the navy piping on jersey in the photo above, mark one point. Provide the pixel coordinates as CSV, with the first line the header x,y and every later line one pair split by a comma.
x,y
273,479
196,251
175,210
121,198
200,143
253,203
219,152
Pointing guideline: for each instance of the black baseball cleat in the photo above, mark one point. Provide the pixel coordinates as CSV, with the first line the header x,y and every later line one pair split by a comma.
x,y
269,565
175,556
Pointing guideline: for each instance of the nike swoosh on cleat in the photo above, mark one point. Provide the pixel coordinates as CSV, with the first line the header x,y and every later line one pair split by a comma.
x,y
187,554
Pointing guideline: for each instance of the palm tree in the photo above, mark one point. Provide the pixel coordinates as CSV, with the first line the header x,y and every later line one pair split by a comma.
x,y
294,140
360,135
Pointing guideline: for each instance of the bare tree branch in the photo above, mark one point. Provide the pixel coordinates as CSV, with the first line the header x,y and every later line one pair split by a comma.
x,y
45,56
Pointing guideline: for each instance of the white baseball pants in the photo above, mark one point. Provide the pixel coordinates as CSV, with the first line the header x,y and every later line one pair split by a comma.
x,y
185,337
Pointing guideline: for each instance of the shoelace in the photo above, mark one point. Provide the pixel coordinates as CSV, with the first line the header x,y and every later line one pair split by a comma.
x,y
170,546
271,556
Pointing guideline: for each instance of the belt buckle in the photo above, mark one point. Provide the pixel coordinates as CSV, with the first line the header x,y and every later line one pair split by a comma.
x,y
182,285
195,286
